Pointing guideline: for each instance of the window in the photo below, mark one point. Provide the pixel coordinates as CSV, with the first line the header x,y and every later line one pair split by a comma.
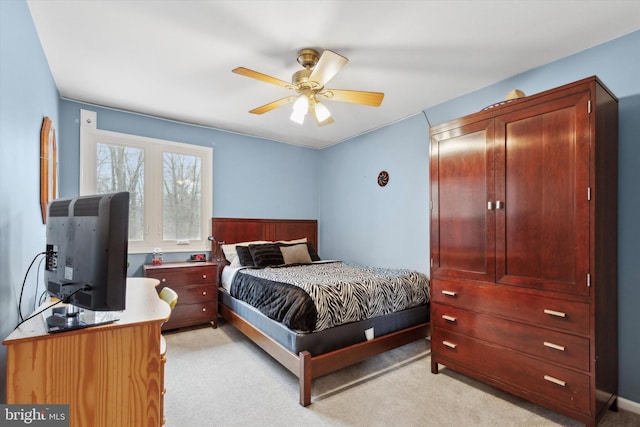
x,y
169,185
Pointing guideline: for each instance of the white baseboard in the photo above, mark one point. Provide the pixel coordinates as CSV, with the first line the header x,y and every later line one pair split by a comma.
x,y
629,405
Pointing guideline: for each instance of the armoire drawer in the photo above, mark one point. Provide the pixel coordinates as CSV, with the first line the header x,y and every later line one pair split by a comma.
x,y
495,299
548,381
559,347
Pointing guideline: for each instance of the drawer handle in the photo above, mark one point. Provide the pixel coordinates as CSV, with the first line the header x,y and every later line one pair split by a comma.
x,y
164,280
449,318
449,293
204,308
204,292
554,346
449,344
204,276
555,313
555,380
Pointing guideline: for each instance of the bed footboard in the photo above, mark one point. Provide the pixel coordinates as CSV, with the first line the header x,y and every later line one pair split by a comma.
x,y
307,367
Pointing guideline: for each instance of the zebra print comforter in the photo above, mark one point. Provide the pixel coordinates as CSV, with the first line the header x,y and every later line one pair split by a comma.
x,y
313,297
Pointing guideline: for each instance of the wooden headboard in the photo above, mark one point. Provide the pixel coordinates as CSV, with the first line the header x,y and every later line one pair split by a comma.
x,y
235,230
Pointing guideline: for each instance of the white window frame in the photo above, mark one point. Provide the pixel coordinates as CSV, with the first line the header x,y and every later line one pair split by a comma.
x,y
154,149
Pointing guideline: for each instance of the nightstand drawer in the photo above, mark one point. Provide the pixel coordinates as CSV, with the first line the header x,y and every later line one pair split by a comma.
x,y
182,276
559,347
192,314
190,294
544,311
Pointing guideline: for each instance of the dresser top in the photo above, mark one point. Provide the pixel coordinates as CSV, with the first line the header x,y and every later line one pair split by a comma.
x,y
142,305
186,264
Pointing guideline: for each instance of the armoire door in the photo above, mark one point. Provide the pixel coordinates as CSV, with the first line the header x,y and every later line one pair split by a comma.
x,y
462,184
542,188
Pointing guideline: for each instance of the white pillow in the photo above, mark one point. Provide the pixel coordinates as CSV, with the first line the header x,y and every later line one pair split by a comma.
x,y
230,251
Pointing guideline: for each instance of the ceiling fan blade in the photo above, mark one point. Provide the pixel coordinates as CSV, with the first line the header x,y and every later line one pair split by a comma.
x,y
259,76
273,105
329,64
373,99
312,109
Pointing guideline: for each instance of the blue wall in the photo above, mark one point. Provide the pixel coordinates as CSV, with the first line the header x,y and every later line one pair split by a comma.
x,y
253,177
367,224
28,94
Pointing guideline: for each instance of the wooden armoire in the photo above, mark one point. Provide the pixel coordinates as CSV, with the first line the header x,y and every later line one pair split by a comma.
x,y
524,248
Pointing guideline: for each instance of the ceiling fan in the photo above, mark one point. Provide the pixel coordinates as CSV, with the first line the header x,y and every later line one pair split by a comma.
x,y
309,84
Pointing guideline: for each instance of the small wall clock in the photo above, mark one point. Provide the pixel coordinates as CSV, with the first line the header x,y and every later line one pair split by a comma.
x,y
383,178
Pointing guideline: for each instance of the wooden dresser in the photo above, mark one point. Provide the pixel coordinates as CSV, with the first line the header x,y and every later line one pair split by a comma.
x,y
110,375
524,248
196,284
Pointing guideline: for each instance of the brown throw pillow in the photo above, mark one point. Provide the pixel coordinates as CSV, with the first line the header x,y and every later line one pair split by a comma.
x,y
296,254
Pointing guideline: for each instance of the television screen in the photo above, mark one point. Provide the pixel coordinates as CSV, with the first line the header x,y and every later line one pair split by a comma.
x,y
86,257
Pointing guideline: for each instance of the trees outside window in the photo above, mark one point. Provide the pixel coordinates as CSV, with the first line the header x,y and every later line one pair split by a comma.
x,y
169,185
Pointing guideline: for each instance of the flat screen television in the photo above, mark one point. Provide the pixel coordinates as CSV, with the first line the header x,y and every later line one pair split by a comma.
x,y
86,259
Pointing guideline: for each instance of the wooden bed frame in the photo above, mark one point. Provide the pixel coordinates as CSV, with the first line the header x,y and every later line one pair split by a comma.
x,y
302,365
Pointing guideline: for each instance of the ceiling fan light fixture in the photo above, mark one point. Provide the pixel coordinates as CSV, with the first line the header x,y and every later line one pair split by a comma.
x,y
300,109
322,112
309,83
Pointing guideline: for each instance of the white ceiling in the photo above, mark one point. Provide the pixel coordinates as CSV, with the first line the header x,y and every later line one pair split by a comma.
x,y
173,58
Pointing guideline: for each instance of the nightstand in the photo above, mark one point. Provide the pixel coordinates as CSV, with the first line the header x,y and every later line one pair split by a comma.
x,y
197,286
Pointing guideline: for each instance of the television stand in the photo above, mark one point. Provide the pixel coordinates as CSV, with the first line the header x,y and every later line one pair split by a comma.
x,y
116,371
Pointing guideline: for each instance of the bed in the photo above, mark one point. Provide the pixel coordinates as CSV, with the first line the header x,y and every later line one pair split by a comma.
x,y
310,348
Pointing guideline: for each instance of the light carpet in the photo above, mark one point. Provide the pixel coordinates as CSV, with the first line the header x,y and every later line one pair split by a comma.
x,y
217,377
